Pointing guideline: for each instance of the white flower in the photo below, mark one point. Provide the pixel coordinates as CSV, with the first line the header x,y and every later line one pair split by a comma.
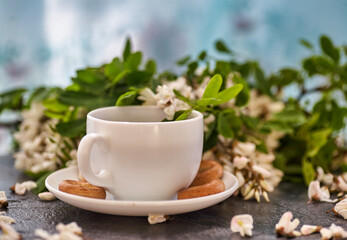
x,y
170,112
265,173
264,158
341,208
66,232
7,219
243,224
156,218
342,185
164,95
309,229
326,233
47,196
338,232
240,178
316,193
327,178
21,188
71,227
180,84
9,233
240,162
286,227
43,234
244,149
147,96
3,200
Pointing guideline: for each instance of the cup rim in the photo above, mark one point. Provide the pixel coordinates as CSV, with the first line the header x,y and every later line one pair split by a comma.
x,y
198,116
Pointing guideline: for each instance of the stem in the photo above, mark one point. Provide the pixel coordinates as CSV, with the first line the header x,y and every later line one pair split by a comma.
x,y
317,89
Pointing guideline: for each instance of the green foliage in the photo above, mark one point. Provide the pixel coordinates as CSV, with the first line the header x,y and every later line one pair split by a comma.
x,y
221,47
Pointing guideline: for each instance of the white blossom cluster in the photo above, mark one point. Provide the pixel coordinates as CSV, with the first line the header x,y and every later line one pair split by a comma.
x,y
8,232
254,170
69,231
165,97
40,147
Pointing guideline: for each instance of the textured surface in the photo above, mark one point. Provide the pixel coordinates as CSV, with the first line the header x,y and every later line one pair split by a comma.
x,y
210,223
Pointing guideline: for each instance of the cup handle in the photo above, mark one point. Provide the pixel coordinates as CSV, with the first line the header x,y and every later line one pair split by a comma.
x,y
104,178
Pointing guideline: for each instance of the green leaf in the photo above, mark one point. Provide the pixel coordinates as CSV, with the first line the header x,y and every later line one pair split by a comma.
x,y
183,61
74,128
41,93
223,126
127,98
202,55
12,99
277,126
127,50
87,100
90,81
318,139
221,47
184,115
134,60
120,76
229,93
213,87
208,101
328,48
306,43
54,105
41,187
308,172
114,68
151,67
243,97
138,79
192,67
291,116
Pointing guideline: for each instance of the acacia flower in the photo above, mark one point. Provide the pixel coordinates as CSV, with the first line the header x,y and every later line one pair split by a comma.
x,y
240,162
70,231
326,233
147,96
3,200
21,188
157,218
265,173
6,219
71,227
286,227
244,149
47,196
243,224
309,229
316,193
325,178
337,232
341,208
341,183
9,233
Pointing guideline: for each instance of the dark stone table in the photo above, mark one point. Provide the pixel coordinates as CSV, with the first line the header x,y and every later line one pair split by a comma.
x,y
210,223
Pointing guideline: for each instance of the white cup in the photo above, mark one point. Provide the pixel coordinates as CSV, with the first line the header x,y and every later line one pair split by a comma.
x,y
132,154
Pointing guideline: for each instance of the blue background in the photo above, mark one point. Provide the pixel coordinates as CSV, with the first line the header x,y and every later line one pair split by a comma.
x,y
44,42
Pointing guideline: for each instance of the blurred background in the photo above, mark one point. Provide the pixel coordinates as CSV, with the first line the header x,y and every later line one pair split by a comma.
x,y
44,42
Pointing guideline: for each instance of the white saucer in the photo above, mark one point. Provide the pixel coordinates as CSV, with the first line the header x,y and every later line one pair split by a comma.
x,y
136,208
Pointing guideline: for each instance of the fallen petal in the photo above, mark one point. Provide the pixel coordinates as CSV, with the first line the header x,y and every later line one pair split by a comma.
x,y
243,224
